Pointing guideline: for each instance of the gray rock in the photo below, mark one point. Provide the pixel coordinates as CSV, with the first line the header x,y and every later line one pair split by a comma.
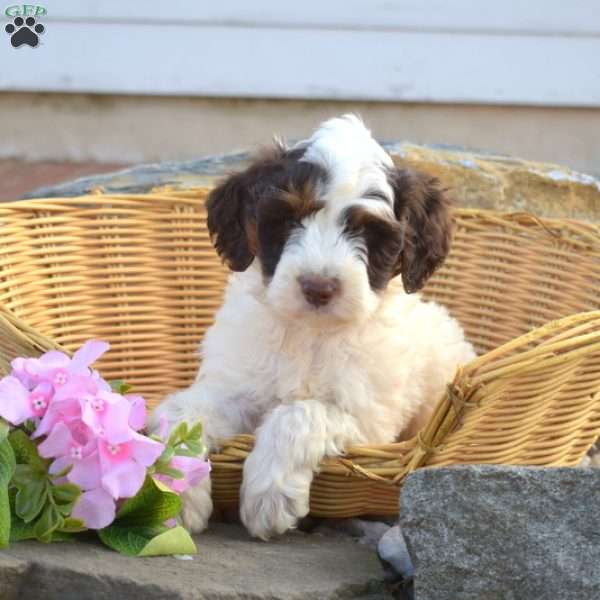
x,y
392,551
229,566
142,178
183,174
503,533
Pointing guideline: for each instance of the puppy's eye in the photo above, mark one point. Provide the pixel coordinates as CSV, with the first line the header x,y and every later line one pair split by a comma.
x,y
376,195
383,241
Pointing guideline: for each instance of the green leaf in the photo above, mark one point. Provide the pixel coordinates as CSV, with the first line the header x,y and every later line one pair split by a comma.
x,y
7,467
4,429
65,493
25,450
45,526
59,535
119,386
21,530
195,432
31,499
27,531
72,525
148,541
25,474
197,448
179,434
181,451
167,455
7,462
152,505
62,473
176,540
169,471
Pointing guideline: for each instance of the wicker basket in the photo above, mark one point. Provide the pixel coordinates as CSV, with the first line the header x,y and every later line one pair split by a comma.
x,y
140,272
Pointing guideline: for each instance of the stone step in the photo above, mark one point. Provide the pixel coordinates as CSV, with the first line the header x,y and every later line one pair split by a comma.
x,y
228,566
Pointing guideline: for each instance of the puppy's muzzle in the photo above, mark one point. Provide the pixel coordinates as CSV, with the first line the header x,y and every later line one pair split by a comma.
x,y
319,291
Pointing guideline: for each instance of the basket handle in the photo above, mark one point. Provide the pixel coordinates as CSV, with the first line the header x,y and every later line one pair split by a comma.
x,y
17,338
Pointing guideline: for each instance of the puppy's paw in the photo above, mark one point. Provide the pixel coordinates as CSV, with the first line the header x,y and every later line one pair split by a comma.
x,y
271,512
197,507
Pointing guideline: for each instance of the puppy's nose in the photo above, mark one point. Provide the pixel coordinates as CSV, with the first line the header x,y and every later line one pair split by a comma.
x,y
319,291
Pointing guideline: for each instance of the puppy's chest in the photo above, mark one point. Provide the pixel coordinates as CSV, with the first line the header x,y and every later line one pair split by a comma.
x,y
333,370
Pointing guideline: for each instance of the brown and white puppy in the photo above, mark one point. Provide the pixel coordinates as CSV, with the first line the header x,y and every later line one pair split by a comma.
x,y
317,346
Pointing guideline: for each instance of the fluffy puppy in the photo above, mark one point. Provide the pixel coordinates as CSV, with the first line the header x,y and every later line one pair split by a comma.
x,y
318,345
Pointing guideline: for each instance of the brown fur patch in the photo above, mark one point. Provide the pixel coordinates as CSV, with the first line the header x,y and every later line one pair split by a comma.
x,y
424,208
383,240
252,213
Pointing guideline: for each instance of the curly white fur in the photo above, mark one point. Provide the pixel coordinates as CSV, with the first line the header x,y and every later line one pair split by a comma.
x,y
309,383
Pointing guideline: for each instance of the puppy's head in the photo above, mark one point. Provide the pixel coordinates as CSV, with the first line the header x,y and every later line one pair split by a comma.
x,y
330,221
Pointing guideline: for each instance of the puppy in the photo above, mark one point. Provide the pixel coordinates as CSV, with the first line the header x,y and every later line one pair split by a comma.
x,y
319,345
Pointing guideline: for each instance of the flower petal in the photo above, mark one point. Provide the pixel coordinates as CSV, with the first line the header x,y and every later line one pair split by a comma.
x,y
95,508
59,465
18,370
100,383
194,471
124,480
86,473
45,366
54,360
107,415
57,443
115,420
89,353
65,410
137,416
145,450
14,401
75,388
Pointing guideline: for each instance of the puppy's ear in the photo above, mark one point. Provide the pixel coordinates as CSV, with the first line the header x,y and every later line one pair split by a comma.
x,y
232,205
231,208
424,209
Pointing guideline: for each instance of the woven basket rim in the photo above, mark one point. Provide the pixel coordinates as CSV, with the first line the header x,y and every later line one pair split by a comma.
x,y
386,464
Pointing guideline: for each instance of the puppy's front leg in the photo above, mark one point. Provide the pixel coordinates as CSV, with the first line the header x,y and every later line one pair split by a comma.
x,y
278,472
221,418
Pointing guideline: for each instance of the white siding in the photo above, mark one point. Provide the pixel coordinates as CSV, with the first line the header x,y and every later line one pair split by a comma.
x,y
544,52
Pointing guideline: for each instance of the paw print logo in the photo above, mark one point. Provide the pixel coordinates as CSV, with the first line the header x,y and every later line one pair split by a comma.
x,y
24,32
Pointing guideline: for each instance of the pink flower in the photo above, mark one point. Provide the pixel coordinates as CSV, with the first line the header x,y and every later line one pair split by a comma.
x,y
86,427
72,445
17,403
50,367
194,471
65,404
107,414
137,416
95,508
124,465
56,367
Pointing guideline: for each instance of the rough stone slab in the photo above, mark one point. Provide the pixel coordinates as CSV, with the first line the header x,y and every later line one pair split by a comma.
x,y
474,178
229,566
142,178
12,572
503,533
